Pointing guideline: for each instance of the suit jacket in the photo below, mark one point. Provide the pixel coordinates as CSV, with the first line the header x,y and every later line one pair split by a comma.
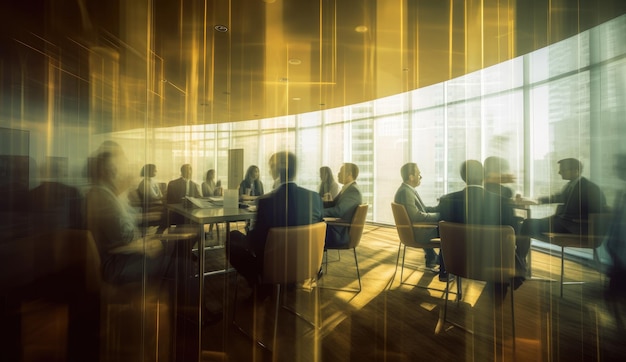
x,y
343,207
287,205
176,190
579,198
418,212
475,205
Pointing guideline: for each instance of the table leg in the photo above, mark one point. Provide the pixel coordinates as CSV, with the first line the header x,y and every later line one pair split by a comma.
x,y
201,288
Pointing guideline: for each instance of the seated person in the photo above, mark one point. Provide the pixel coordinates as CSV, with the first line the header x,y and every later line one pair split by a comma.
x,y
475,205
497,173
251,185
178,189
210,187
329,188
148,188
579,198
288,205
407,195
343,206
124,258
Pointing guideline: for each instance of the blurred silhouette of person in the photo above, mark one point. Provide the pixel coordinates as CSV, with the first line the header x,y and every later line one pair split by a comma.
x,y
343,206
418,212
125,258
579,198
329,188
210,187
616,240
251,185
288,205
148,188
475,205
497,173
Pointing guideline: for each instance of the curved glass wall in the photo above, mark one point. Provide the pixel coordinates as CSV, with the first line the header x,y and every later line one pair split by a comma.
x,y
557,102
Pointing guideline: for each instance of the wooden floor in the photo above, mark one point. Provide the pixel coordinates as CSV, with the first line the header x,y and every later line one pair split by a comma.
x,y
393,322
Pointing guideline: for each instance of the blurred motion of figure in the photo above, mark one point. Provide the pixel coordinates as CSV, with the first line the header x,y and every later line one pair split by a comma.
x,y
579,198
124,256
329,188
251,185
407,195
475,205
497,173
148,188
616,241
210,187
288,205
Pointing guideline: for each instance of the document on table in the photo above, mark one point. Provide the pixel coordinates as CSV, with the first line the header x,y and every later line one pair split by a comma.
x,y
201,203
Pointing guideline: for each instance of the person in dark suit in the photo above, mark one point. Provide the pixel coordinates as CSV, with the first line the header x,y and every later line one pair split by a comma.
x,y
287,205
616,240
475,205
178,189
418,212
578,199
182,186
343,206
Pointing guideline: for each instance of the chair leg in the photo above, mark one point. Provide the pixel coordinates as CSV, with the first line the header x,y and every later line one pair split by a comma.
x,y
396,270
358,274
562,268
442,319
276,309
512,314
402,268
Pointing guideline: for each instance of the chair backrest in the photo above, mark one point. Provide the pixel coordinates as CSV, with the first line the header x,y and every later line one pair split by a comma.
x,y
357,225
406,229
480,252
293,253
599,224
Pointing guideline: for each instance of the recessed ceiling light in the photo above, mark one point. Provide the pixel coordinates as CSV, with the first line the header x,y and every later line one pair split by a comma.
x,y
283,79
221,28
295,98
361,29
295,61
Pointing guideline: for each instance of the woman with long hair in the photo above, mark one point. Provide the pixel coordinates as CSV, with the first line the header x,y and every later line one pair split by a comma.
x,y
251,184
148,188
328,187
210,187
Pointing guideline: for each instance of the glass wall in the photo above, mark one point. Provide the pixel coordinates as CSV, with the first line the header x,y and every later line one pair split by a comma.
x,y
562,101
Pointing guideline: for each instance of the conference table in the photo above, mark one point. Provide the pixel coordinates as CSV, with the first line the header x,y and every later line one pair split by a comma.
x,y
209,215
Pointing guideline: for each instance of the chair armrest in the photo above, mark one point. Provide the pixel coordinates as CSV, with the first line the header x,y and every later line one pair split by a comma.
x,y
336,222
151,248
425,225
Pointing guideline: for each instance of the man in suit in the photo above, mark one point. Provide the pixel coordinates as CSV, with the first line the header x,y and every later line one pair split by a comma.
x,y
179,188
578,199
475,205
407,195
343,206
287,205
